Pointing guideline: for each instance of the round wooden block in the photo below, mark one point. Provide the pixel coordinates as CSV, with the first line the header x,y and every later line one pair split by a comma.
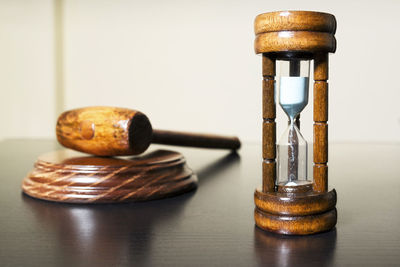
x,y
296,225
301,213
295,204
295,21
295,31
295,41
74,177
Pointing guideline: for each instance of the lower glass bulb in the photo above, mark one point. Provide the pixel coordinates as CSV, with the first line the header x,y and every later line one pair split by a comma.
x,y
292,158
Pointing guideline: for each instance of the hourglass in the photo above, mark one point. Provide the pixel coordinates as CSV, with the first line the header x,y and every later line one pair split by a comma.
x,y
290,202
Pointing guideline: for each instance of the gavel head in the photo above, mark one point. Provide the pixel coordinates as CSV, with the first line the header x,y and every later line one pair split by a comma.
x,y
104,131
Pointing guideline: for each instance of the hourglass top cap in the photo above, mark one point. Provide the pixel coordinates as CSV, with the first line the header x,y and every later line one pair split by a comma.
x,y
295,21
298,31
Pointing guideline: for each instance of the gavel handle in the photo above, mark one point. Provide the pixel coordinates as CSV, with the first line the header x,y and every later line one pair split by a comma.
x,y
195,140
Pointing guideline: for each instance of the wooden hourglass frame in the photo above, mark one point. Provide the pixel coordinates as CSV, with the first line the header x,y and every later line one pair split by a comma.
x,y
281,36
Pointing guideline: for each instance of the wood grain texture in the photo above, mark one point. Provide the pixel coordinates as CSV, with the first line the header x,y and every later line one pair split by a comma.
x,y
195,140
320,173
269,175
211,226
299,41
68,176
295,31
320,142
321,66
320,101
309,208
104,131
295,21
296,225
268,98
268,67
269,140
269,125
320,167
299,204
112,131
305,187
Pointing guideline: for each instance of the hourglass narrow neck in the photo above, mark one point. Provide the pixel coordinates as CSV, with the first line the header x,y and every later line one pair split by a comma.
x,y
292,121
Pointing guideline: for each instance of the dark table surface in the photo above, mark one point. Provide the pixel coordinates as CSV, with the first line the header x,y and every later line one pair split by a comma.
x,y
210,226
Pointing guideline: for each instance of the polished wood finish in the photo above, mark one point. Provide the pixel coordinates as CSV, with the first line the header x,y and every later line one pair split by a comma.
x,y
269,140
296,225
300,204
269,175
276,250
306,209
320,168
320,142
320,173
268,67
104,131
320,101
304,188
295,213
269,106
269,125
301,41
295,21
295,31
72,177
111,131
321,67
195,140
212,226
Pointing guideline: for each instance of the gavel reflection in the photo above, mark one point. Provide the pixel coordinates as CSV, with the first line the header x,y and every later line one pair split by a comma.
x,y
112,235
105,235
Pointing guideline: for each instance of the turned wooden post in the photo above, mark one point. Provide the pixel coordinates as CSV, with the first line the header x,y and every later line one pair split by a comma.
x,y
320,168
269,125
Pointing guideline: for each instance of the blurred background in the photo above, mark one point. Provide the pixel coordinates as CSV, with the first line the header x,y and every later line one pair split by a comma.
x,y
188,65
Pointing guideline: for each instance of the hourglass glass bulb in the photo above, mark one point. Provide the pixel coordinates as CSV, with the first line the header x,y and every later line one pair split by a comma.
x,y
292,147
292,158
293,88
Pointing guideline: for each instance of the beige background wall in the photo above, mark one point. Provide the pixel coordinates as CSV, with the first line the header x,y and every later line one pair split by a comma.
x,y
26,69
188,65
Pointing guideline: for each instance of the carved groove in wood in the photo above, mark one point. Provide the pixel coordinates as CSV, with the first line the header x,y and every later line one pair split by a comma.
x,y
67,176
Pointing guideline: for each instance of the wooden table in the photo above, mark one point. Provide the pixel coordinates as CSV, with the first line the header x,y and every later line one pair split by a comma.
x,y
211,226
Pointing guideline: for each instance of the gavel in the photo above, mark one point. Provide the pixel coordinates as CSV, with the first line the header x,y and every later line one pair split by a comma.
x,y
112,131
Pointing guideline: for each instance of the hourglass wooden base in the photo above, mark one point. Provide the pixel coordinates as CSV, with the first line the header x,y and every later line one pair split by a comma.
x,y
300,213
73,177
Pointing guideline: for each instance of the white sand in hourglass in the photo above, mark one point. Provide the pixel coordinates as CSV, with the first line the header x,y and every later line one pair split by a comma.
x,y
293,95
